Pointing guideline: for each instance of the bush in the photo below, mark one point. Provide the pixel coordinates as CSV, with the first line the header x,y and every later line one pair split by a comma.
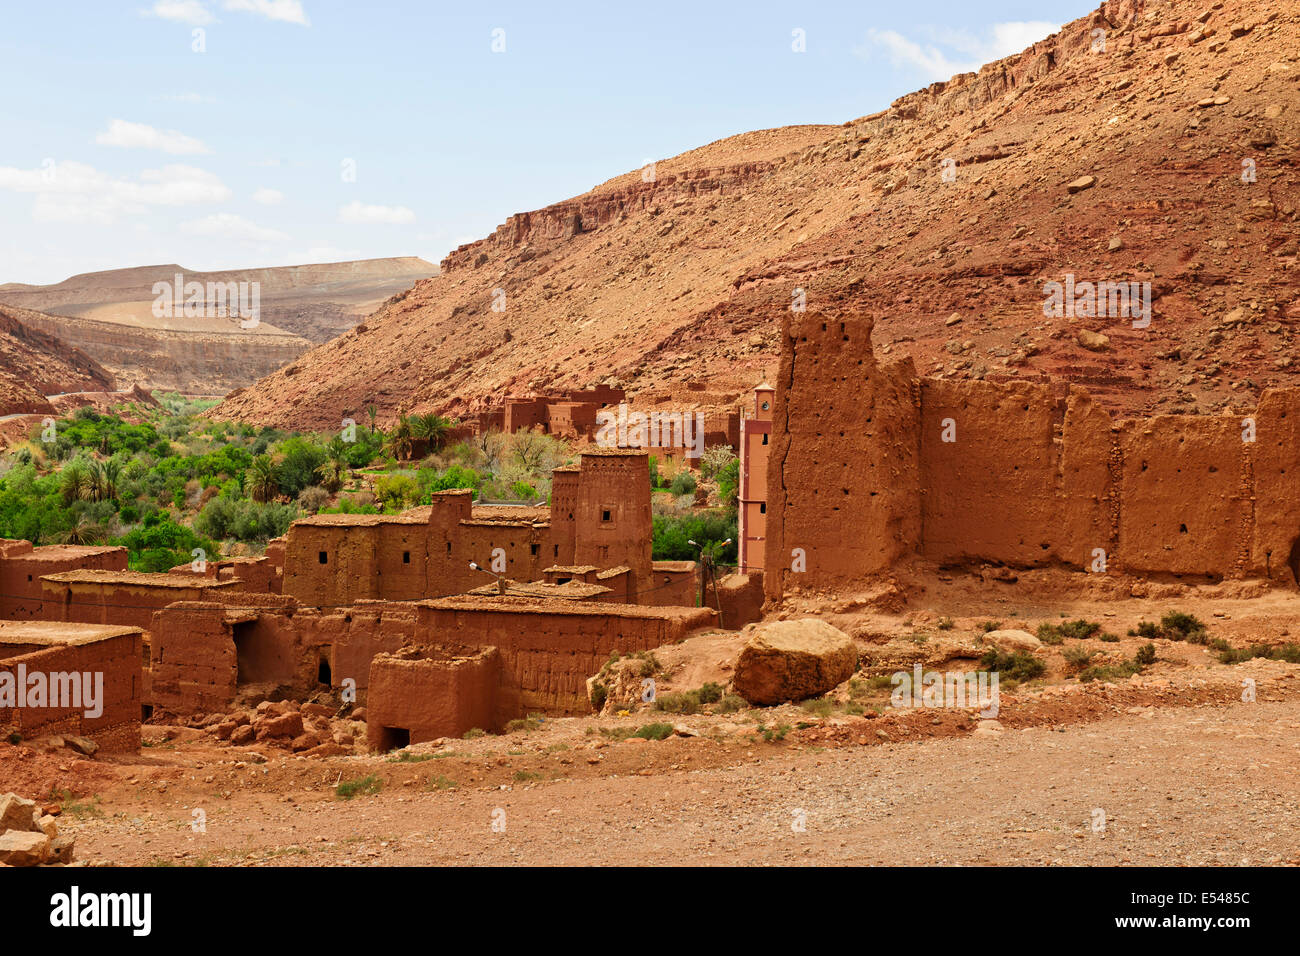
x,y
671,534
313,498
716,459
1017,666
683,484
655,731
1078,630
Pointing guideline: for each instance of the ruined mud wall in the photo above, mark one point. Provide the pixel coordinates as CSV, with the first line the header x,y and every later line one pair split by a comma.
x,y
549,648
1016,473
843,480
117,728
203,651
427,693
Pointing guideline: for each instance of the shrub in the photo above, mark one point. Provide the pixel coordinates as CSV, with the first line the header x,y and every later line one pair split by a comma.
x,y
683,484
367,785
716,459
1078,657
655,731
313,498
1017,666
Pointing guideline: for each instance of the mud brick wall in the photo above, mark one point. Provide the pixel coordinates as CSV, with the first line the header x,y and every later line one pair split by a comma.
x,y
128,604
438,695
549,648
22,565
616,483
117,729
202,651
1034,475
844,464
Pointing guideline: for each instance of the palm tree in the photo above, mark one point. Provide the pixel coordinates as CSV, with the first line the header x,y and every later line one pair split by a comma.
x,y
334,471
76,483
265,484
82,531
433,429
373,413
399,439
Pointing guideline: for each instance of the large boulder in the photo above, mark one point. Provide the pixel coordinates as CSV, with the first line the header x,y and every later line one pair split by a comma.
x,y
17,813
1010,640
793,660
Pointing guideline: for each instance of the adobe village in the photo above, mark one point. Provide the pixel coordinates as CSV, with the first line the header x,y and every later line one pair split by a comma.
x,y
988,562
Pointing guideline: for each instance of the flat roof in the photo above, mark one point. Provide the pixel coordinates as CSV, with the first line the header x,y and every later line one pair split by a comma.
x,y
569,590
511,604
161,579
56,633
672,566
570,569
60,552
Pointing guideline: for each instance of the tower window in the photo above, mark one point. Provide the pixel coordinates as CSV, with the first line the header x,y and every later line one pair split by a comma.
x,y
765,437
406,557
323,558
606,514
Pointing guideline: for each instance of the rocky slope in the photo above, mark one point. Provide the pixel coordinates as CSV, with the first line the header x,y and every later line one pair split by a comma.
x,y
944,217
34,364
110,316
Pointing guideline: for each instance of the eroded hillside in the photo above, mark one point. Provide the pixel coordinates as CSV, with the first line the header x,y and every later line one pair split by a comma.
x,y
1168,157
34,364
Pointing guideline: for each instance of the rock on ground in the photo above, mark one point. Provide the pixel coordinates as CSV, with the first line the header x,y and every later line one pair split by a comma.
x,y
793,660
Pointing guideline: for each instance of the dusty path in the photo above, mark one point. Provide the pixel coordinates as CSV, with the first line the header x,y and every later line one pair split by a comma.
x,y
1204,785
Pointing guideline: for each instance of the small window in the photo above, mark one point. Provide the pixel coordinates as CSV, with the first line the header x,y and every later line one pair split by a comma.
x,y
557,550
534,548
323,558
765,439
406,557
762,507
449,547
29,577
563,580
605,515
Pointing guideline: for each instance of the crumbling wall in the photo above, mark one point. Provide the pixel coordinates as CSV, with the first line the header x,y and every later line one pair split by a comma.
x,y
424,692
988,472
1183,506
548,647
1012,473
203,651
116,657
843,482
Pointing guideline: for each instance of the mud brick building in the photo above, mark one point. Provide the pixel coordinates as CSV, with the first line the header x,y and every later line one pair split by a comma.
x,y
600,515
109,655
755,438
22,566
873,466
569,414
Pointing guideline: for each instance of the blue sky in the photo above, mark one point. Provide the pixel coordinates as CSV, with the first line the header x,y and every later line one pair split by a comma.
x,y
124,145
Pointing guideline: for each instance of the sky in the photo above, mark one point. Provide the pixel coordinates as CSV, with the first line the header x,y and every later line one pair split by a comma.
x,y
223,134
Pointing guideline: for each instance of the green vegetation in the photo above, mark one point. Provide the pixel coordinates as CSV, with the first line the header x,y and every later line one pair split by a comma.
x,y
368,785
1236,655
1144,658
709,528
690,701
657,731
1174,626
1018,666
1077,629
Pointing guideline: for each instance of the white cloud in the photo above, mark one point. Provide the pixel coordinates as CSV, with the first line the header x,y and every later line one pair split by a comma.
x,y
226,225
182,11
957,51
141,136
76,192
268,197
289,11
358,212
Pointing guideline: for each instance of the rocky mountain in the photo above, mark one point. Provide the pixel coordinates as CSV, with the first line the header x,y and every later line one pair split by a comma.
x,y
110,315
1150,143
34,364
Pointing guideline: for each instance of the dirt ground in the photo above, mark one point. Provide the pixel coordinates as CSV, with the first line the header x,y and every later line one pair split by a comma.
x,y
1173,765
